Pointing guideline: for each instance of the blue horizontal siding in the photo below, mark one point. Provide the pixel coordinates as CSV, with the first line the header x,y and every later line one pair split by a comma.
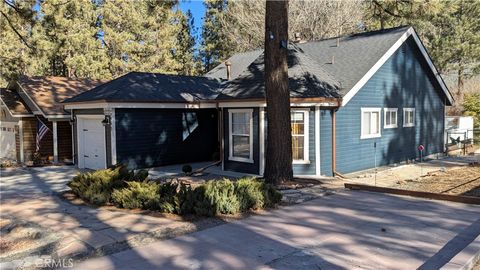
x,y
403,81
326,142
154,137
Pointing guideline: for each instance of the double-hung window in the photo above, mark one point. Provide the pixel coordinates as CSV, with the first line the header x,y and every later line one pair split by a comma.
x,y
299,124
390,119
370,123
241,141
408,117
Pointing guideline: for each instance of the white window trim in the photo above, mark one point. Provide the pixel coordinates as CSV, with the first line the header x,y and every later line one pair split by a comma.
x,y
306,131
230,136
369,136
387,110
408,110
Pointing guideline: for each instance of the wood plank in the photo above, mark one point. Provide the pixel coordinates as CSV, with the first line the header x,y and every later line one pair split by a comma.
x,y
418,194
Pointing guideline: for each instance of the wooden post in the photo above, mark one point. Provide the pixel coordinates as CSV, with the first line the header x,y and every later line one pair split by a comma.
x,y
55,142
20,138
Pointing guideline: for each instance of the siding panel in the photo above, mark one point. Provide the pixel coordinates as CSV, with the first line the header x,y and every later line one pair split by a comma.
x,y
403,81
326,142
154,137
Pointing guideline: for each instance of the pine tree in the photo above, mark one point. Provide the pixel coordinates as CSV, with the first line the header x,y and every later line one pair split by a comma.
x,y
16,50
67,40
184,52
215,46
139,35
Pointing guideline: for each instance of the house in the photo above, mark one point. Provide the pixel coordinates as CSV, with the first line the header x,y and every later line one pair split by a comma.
x,y
28,100
357,102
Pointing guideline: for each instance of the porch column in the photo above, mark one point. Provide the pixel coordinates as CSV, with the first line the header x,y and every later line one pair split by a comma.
x,y
55,142
20,138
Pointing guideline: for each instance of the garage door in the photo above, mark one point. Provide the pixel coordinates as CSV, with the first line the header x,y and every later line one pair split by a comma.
x,y
91,140
7,140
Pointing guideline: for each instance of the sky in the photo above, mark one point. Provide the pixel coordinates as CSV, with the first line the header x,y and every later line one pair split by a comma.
x,y
198,10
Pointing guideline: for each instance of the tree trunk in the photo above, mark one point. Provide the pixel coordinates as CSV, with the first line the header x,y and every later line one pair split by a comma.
x,y
278,161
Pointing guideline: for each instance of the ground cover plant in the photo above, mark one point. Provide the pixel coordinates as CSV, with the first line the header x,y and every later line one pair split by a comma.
x,y
133,190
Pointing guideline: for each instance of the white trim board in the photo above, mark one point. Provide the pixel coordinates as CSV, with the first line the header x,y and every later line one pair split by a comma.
x,y
386,56
317,141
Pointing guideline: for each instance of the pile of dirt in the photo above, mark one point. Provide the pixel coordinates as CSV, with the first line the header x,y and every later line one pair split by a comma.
x,y
457,181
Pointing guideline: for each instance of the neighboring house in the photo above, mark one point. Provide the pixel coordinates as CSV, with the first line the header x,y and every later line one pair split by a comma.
x,y
31,99
357,101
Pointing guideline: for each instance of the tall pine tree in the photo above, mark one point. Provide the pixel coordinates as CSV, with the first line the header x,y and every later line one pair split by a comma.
x,y
215,46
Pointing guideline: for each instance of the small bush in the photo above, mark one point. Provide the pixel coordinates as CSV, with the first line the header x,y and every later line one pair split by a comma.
x,y
187,169
127,189
143,195
250,194
96,187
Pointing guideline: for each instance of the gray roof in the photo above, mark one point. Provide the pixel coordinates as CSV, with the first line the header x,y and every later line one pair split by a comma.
x,y
152,87
240,63
306,79
310,65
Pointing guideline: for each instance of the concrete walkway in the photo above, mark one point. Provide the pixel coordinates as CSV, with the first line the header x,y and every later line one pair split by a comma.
x,y
348,230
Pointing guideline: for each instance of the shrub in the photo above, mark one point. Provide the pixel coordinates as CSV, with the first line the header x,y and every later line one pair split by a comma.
x,y
96,187
143,195
216,197
250,194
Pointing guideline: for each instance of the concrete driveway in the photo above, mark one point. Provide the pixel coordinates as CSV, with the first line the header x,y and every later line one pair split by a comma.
x,y
348,230
35,181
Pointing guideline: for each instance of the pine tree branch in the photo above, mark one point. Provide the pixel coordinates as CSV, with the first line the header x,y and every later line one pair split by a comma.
x,y
386,10
15,30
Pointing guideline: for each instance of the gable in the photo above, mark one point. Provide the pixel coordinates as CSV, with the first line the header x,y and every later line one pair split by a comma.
x,y
422,55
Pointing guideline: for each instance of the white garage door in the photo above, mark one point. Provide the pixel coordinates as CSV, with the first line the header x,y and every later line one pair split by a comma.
x,y
7,140
91,142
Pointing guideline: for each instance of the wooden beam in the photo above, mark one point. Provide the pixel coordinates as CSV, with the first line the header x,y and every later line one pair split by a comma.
x,y
55,142
418,194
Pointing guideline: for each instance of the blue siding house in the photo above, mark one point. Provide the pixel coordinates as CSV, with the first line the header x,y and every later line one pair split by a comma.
x,y
357,102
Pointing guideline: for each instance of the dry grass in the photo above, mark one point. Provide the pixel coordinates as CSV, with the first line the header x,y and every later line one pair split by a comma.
x,y
458,181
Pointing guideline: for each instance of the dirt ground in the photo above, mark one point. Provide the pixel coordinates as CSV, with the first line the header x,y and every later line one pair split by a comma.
x,y
455,176
457,181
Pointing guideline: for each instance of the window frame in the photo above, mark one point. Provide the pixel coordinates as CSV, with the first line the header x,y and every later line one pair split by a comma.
x,y
230,136
405,124
370,136
385,112
306,131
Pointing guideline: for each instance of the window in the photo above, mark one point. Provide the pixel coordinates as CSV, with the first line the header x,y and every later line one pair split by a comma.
x,y
370,123
240,142
408,117
299,123
390,118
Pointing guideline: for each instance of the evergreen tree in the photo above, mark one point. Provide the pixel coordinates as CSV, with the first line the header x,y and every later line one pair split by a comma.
x,y
16,50
67,40
184,52
139,35
215,46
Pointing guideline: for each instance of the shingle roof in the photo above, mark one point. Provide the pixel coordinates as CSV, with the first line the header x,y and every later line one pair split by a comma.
x,y
49,92
152,87
14,102
306,79
355,55
241,62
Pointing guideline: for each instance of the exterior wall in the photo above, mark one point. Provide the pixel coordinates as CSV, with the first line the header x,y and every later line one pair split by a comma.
x,y
326,142
64,141
29,137
155,137
244,167
403,81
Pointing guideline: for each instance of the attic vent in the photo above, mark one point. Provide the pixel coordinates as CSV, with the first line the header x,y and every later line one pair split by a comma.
x,y
333,60
228,64
338,42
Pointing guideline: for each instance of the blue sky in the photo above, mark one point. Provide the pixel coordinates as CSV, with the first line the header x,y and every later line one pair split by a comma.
x,y
198,10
